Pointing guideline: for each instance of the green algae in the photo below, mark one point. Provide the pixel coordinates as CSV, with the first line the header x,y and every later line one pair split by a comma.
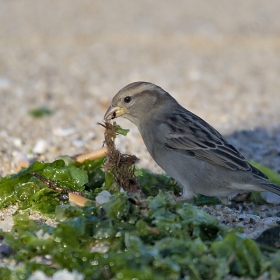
x,y
125,238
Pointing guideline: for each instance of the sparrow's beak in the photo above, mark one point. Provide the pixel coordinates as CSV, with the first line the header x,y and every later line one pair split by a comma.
x,y
114,112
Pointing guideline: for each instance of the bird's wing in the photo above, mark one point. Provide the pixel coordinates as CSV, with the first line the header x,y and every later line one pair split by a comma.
x,y
189,134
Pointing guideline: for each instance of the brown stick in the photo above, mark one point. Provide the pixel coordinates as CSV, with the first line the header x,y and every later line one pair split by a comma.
x,y
77,199
54,186
92,155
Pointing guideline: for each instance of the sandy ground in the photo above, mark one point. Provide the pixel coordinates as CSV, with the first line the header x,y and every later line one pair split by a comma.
x,y
219,59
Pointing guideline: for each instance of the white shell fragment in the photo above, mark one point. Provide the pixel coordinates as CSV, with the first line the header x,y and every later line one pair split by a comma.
x,y
103,197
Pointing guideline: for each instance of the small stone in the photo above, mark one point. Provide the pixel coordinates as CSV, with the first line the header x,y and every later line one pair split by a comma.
x,y
61,131
270,221
270,197
249,218
17,142
103,197
40,147
20,160
7,223
78,143
5,250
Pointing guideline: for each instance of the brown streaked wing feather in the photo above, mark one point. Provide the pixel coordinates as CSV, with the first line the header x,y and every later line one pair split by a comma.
x,y
191,135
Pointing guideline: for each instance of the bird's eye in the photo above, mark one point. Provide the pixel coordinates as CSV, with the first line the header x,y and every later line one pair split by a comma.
x,y
127,99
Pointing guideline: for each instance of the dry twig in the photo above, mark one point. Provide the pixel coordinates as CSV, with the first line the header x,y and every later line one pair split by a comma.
x,y
54,186
78,199
92,155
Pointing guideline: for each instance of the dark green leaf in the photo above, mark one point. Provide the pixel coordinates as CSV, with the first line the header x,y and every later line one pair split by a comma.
x,y
40,112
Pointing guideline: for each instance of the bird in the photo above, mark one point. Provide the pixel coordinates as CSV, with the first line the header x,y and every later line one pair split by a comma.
x,y
185,146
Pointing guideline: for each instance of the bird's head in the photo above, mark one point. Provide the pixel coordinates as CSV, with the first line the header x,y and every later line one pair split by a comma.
x,y
137,101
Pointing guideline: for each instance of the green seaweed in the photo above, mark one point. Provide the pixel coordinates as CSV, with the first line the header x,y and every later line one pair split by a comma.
x,y
40,112
125,238
30,192
272,175
157,239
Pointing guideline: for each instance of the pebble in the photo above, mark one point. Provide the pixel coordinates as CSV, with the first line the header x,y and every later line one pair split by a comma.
x,y
64,132
6,220
20,160
78,143
249,218
17,142
270,197
40,147
103,197
270,220
5,250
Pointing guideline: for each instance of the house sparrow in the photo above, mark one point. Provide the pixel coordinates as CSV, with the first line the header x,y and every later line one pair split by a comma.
x,y
190,150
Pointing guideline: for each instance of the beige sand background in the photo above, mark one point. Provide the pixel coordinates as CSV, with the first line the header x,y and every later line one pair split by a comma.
x,y
220,59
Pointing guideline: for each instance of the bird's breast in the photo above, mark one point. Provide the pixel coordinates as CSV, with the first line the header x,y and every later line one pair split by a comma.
x,y
151,138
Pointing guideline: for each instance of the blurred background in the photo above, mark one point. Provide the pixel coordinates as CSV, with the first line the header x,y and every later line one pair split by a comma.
x,y
65,60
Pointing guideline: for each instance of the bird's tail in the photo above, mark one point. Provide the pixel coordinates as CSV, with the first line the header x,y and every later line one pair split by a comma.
x,y
271,188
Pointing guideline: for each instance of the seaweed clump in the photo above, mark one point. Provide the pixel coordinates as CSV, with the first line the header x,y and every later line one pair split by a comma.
x,y
121,166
